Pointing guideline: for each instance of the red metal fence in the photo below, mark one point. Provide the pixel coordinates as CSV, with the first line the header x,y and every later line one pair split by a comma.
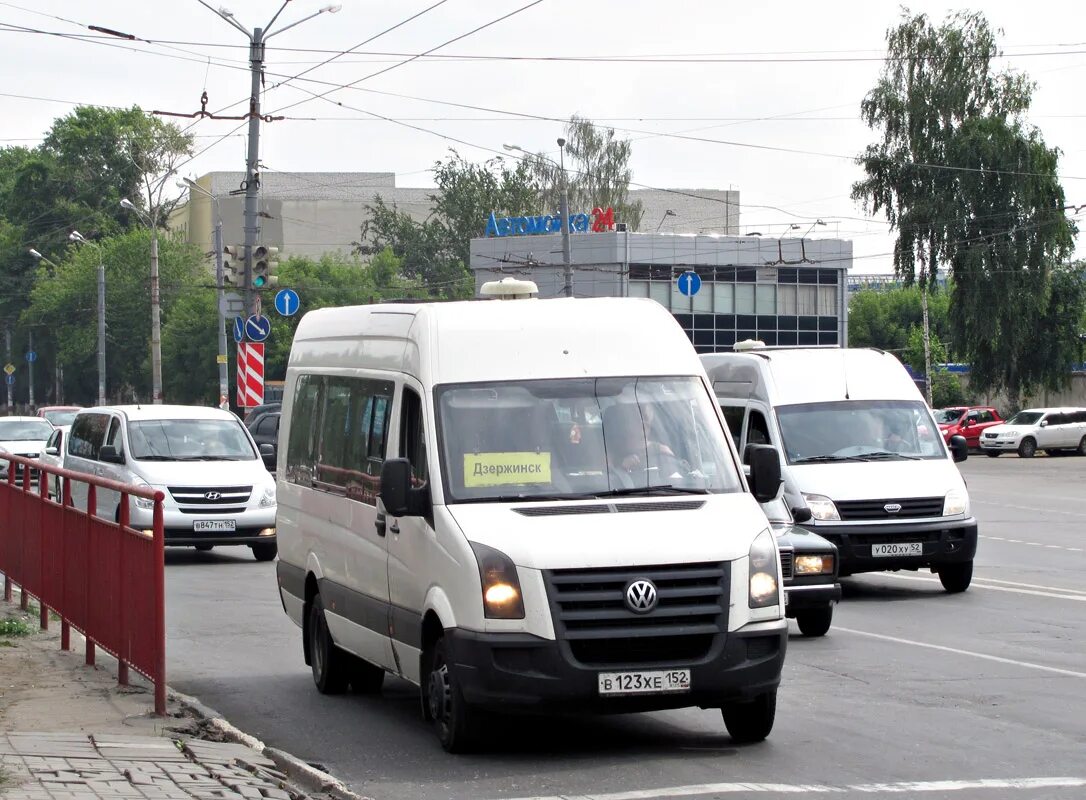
x,y
102,577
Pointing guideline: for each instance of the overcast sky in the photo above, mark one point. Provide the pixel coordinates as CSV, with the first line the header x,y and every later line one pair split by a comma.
x,y
794,100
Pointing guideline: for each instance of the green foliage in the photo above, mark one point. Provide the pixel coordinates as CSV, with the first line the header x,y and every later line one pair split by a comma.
x,y
883,318
14,627
946,389
190,343
66,300
967,185
914,349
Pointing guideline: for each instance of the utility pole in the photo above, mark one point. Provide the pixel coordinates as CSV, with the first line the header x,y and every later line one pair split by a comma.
x,y
7,339
567,259
224,385
252,169
156,323
30,366
101,331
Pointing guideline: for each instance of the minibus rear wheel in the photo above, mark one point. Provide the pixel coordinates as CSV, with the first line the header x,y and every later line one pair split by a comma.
x,y
457,724
751,721
331,666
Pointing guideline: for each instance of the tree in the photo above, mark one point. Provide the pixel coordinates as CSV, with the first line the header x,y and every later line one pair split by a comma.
x,y
65,299
884,318
597,166
953,200
190,343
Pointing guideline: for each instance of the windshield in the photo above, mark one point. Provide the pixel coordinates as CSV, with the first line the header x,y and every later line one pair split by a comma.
x,y
945,416
1025,418
859,430
776,510
24,430
189,440
61,418
585,437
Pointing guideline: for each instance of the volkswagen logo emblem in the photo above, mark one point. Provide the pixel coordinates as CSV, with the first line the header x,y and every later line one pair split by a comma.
x,y
641,596
892,508
212,496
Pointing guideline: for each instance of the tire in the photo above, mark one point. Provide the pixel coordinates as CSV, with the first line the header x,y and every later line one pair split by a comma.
x,y
204,548
956,577
1027,448
331,666
992,453
1081,449
815,622
751,721
457,724
366,678
265,551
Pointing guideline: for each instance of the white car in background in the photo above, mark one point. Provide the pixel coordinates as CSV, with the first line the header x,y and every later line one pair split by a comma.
x,y
53,455
1053,430
22,436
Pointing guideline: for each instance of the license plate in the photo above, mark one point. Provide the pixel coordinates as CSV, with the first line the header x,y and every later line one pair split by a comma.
x,y
675,680
215,525
897,549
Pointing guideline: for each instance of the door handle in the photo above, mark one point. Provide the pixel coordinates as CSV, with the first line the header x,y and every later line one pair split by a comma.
x,y
381,524
395,526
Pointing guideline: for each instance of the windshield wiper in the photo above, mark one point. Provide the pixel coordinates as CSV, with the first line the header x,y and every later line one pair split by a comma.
x,y
662,488
154,457
877,454
827,459
521,498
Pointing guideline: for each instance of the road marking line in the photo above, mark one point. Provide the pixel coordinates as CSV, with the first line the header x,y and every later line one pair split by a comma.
x,y
692,790
1048,591
1032,508
998,659
1030,585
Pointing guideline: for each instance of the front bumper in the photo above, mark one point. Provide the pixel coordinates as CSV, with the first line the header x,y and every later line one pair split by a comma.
x,y
251,526
943,542
806,598
526,672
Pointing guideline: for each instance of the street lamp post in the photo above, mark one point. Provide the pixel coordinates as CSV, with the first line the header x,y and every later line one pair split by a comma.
x,y
56,366
76,236
224,387
563,210
156,308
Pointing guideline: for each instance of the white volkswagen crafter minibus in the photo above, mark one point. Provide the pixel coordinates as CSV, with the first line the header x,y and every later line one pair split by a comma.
x,y
524,505
860,449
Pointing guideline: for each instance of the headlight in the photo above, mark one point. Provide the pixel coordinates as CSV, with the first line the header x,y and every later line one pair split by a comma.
x,y
822,508
501,586
142,502
813,565
956,502
268,498
763,571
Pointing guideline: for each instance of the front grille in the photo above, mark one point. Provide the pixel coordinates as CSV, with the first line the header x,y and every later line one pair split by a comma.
x,y
590,613
991,436
786,565
213,510
561,511
672,505
220,496
876,509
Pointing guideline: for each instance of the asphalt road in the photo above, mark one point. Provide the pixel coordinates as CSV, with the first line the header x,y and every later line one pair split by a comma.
x,y
978,695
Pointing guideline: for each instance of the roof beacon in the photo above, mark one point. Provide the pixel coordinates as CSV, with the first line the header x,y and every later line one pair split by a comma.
x,y
509,289
748,344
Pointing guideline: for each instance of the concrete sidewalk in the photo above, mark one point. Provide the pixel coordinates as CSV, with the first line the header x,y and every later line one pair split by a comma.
x,y
69,732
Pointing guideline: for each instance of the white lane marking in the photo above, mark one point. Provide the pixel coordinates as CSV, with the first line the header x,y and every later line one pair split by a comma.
x,y
1030,585
1030,508
693,790
998,659
980,583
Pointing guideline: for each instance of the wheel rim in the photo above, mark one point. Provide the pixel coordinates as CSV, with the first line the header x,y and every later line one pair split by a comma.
x,y
440,695
317,645
1028,448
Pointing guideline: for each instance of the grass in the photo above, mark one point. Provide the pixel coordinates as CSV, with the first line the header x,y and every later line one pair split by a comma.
x,y
14,627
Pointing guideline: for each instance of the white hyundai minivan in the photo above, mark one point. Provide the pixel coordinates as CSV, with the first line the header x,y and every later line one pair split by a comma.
x,y
524,505
217,488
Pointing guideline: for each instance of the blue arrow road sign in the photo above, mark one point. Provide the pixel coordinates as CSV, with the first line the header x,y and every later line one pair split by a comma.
x,y
10,380
31,356
257,328
239,330
689,283
287,302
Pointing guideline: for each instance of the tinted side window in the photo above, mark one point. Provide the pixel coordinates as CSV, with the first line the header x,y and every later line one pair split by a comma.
x,y
114,437
733,415
1056,419
87,434
1079,416
269,425
302,447
757,429
413,437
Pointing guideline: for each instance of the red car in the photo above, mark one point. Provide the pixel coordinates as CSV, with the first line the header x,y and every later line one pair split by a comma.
x,y
967,421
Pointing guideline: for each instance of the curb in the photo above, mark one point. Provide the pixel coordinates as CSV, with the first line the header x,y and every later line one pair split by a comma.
x,y
298,771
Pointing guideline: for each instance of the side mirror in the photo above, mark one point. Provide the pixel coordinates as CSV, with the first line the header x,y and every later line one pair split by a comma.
x,y
1044,423
765,471
268,454
52,451
959,448
109,454
967,422
801,515
397,495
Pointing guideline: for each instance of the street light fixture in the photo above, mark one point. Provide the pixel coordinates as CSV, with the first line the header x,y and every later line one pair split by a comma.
x,y
156,309
667,213
192,186
77,237
563,209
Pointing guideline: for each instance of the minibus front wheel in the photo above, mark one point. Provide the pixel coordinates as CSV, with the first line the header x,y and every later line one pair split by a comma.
x,y
458,725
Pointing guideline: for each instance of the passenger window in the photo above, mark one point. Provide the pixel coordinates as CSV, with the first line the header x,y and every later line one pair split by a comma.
x,y
733,415
1055,419
757,429
268,426
412,437
114,438
302,449
87,434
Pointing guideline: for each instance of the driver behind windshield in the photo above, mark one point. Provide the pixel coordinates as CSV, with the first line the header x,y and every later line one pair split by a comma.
x,y
631,448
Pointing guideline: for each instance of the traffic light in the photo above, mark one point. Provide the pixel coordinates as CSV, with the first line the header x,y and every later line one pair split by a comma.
x,y
265,267
233,265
